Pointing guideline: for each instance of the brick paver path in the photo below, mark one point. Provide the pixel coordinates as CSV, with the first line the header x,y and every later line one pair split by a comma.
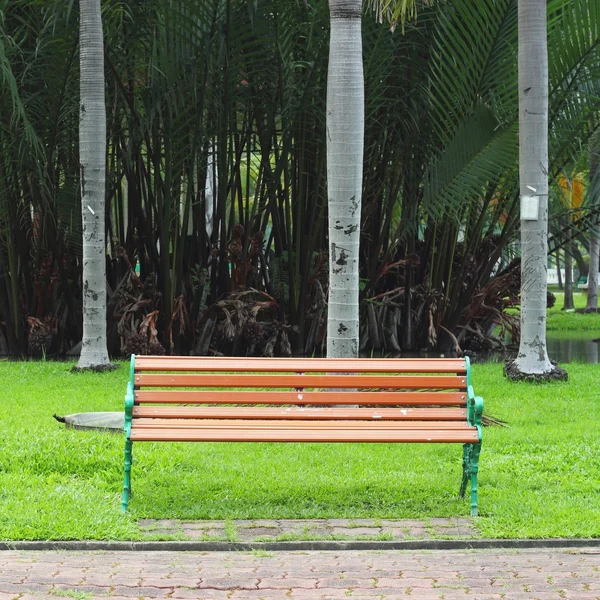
x,y
514,575
309,529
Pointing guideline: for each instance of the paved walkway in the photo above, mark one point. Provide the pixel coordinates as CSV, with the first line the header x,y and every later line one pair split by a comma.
x,y
475,575
262,530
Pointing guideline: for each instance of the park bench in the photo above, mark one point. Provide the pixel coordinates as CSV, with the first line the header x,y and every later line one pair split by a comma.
x,y
214,399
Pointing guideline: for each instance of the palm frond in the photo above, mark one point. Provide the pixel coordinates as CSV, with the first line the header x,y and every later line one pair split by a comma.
x,y
480,152
396,11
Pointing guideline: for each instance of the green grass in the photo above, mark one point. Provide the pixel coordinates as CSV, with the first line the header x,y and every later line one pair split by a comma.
x,y
567,323
538,478
71,594
561,321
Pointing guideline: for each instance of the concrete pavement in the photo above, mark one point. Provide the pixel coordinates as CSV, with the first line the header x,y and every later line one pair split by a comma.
x,y
441,575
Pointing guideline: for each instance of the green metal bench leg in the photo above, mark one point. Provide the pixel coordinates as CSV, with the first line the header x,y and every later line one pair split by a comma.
x,y
129,403
466,474
127,475
474,470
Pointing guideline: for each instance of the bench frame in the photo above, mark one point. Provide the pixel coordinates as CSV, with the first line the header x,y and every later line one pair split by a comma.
x,y
471,451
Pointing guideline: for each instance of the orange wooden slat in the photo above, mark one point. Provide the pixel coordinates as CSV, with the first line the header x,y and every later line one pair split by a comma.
x,y
289,435
295,381
340,365
251,425
321,398
293,412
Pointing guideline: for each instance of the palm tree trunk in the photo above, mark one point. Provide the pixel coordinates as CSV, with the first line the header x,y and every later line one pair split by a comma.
x,y
533,174
92,158
592,295
345,142
568,300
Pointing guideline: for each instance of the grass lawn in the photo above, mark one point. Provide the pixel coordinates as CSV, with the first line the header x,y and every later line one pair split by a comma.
x,y
538,478
560,321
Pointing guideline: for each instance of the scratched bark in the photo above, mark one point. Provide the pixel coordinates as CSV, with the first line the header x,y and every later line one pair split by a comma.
x,y
345,142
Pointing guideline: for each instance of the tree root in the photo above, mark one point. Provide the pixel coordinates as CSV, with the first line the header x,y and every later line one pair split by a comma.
x,y
512,372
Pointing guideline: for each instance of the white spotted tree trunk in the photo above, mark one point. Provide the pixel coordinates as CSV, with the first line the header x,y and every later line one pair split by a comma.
x,y
533,173
92,158
345,142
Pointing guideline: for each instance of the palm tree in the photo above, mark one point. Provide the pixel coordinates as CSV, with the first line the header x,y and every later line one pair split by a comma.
x,y
571,196
345,144
532,358
345,147
92,158
592,294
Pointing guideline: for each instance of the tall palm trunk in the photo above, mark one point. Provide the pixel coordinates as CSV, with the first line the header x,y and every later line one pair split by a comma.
x,y
568,303
592,295
345,142
533,175
92,158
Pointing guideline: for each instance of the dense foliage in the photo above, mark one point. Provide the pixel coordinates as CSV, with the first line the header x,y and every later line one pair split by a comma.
x,y
216,172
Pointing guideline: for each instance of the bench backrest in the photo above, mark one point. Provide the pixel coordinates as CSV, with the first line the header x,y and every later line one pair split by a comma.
x,y
314,381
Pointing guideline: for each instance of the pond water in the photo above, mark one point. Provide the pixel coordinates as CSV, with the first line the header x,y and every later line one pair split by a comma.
x,y
573,349
562,349
565,349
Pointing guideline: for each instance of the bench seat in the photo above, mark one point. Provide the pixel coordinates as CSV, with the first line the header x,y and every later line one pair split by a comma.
x,y
190,399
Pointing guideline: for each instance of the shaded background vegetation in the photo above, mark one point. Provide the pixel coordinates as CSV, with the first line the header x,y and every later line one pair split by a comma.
x,y
216,190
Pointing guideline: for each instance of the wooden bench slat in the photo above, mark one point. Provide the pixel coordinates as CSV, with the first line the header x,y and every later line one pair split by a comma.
x,y
308,381
298,424
324,398
240,412
340,365
290,435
